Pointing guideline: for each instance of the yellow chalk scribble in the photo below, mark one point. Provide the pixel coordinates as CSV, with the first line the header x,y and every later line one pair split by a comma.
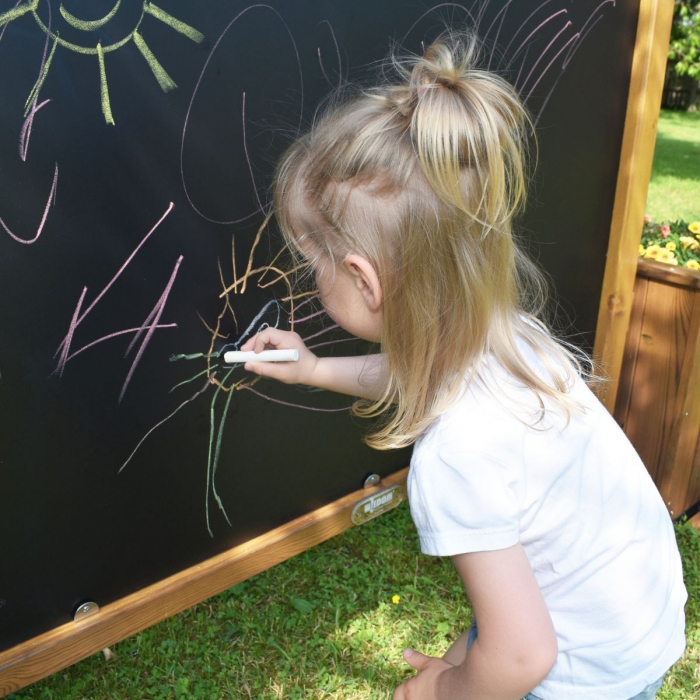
x,y
15,12
176,24
97,49
104,92
40,81
88,25
164,80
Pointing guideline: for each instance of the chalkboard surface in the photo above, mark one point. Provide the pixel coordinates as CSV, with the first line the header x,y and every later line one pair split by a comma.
x,y
136,147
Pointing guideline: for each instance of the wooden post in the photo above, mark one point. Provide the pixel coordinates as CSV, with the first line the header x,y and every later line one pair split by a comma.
x,y
638,142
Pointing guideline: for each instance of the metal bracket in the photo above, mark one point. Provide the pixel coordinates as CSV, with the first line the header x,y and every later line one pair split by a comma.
x,y
382,502
85,610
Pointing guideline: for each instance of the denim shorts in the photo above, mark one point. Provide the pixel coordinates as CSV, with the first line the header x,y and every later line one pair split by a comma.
x,y
649,693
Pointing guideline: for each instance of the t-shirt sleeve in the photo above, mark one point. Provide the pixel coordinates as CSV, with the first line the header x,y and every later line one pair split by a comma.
x,y
464,500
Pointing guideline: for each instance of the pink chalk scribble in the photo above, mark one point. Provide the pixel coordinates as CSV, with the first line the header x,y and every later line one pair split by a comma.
x,y
2,33
321,332
51,200
259,6
155,315
71,329
247,387
145,330
261,208
337,52
557,35
26,131
533,73
126,331
549,65
522,26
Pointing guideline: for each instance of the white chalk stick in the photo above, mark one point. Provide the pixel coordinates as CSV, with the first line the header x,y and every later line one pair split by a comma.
x,y
238,356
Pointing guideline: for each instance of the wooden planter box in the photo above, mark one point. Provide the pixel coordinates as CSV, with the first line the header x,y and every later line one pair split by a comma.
x,y
658,402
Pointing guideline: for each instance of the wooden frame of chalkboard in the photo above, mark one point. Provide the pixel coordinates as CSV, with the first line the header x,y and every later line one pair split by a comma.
x,y
639,140
47,653
65,645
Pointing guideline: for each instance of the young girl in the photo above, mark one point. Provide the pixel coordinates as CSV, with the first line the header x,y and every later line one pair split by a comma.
x,y
402,199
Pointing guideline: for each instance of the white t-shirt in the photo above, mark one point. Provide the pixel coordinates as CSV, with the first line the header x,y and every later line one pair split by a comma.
x,y
590,519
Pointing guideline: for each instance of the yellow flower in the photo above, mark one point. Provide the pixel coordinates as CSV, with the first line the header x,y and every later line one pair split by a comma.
x,y
396,599
689,242
670,246
653,251
642,249
666,256
694,227
693,264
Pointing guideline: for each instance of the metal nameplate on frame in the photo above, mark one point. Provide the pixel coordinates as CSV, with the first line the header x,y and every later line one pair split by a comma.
x,y
379,503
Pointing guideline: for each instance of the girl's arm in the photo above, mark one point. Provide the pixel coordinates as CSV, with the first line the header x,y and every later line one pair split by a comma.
x,y
365,376
516,646
457,652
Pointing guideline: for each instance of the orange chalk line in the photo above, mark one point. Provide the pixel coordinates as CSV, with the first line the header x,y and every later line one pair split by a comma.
x,y
252,251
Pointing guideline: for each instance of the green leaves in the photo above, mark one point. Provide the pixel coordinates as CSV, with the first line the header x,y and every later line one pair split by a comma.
x,y
684,48
303,606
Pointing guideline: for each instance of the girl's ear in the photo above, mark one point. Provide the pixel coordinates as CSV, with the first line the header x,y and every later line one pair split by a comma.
x,y
366,280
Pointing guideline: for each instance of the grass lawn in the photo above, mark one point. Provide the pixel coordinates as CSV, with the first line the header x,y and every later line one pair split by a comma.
x,y
320,626
674,190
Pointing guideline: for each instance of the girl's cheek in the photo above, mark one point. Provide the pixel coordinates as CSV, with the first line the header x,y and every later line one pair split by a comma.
x,y
329,310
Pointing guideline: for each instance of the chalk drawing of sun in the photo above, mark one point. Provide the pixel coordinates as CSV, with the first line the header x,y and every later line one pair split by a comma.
x,y
94,31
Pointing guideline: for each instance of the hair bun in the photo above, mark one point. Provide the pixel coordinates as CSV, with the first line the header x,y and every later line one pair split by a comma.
x,y
460,117
447,62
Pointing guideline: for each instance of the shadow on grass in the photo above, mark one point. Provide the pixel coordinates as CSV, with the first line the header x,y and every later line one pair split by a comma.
x,y
320,626
677,158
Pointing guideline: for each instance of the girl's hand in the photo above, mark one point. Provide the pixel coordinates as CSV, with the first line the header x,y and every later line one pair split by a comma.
x,y
423,686
299,372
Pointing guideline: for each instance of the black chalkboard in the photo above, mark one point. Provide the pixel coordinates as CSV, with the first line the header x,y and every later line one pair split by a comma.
x,y
136,145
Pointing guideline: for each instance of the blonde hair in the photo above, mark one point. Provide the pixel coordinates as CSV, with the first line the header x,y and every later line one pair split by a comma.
x,y
423,176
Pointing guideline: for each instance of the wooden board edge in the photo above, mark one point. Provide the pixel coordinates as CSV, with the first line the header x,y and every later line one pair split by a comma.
x,y
636,157
629,365
672,274
56,649
683,441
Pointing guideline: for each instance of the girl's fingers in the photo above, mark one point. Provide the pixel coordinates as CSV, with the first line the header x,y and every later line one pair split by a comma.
x,y
270,336
262,369
273,370
287,372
